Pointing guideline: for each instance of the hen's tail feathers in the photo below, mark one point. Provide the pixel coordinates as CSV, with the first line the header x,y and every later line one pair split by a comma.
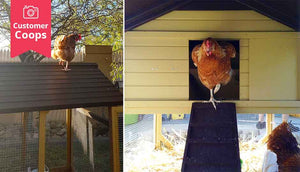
x,y
53,55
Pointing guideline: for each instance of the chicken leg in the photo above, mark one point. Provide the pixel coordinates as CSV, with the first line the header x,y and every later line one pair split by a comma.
x,y
212,99
66,67
61,63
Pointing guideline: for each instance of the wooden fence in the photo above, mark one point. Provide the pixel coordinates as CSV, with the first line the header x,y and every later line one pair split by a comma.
x,y
5,57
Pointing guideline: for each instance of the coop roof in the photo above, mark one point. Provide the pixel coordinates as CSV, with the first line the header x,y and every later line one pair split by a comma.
x,y
139,12
37,87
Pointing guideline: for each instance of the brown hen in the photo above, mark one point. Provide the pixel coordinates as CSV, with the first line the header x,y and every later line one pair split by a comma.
x,y
64,48
213,63
282,142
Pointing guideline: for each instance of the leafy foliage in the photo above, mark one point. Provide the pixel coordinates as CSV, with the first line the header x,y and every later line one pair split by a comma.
x,y
117,71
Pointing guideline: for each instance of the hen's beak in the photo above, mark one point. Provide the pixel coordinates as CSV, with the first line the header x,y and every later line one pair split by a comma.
x,y
208,53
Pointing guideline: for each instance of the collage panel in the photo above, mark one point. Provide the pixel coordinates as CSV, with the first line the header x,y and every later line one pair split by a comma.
x,y
211,86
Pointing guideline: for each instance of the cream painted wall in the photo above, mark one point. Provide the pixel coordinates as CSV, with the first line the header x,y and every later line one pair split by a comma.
x,y
273,69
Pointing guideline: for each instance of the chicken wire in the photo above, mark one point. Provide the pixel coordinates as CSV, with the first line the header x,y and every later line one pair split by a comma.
x,y
56,139
139,141
120,122
175,130
19,142
143,129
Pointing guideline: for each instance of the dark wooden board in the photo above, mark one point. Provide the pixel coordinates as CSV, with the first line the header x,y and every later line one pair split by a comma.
x,y
212,139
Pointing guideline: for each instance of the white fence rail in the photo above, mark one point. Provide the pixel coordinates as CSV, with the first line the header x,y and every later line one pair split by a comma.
x,y
5,57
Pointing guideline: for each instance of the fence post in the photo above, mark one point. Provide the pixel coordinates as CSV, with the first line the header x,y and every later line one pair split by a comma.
x,y
24,144
69,138
270,119
159,138
114,135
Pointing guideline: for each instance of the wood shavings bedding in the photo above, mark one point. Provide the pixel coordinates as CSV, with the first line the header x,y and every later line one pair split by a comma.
x,y
143,157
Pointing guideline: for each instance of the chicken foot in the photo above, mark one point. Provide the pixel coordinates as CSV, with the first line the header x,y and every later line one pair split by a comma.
x,y
66,67
212,99
61,62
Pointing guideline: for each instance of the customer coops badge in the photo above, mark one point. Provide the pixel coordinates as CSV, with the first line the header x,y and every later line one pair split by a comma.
x,y
30,27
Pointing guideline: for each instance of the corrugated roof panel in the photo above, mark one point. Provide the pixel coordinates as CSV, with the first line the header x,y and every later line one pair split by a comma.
x,y
36,87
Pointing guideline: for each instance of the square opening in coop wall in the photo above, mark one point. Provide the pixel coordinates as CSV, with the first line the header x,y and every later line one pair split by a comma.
x,y
229,91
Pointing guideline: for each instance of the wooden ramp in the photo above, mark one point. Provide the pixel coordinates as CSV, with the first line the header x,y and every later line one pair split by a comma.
x,y
212,140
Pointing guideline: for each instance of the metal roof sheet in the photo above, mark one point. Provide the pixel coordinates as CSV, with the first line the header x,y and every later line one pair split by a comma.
x,y
37,87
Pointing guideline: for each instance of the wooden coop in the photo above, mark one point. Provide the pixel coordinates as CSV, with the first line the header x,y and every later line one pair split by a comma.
x,y
157,54
43,87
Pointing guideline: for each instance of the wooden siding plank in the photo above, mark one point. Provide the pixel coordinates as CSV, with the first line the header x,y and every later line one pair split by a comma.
x,y
298,67
244,79
244,53
219,25
184,107
156,93
96,49
215,15
156,79
155,42
156,53
244,93
97,56
103,60
156,66
244,66
244,42
137,35
180,39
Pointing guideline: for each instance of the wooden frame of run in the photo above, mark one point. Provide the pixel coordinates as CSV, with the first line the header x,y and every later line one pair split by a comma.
x,y
113,114
114,133
42,140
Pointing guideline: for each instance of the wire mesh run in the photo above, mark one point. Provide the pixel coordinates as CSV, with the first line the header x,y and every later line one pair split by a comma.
x,y
139,140
19,141
56,139
140,130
